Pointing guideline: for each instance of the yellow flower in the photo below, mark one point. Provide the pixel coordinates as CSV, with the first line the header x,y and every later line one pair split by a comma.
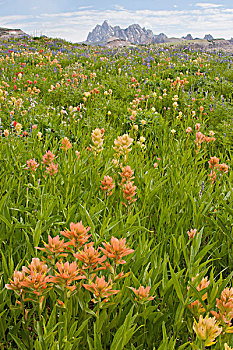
x,y
122,145
226,347
207,330
39,134
142,139
143,122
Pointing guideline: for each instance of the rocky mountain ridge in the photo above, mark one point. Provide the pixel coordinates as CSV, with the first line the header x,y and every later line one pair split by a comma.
x,y
6,33
134,34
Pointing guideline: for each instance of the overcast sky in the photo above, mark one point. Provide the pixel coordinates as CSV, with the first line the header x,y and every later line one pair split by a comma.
x,y
73,19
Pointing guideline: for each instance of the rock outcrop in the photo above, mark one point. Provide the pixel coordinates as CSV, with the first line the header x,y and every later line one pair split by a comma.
x,y
6,33
134,34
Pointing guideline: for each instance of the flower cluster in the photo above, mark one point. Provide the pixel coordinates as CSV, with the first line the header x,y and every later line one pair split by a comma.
x,y
97,139
82,262
66,145
122,146
207,330
107,185
216,167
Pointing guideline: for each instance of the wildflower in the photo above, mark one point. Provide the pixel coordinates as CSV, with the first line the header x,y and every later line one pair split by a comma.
x,y
122,146
226,347
32,164
34,127
52,169
143,122
97,139
48,157
142,139
18,128
116,250
188,130
78,154
197,126
156,165
173,131
175,104
129,191
192,233
6,133
199,139
201,109
16,283
225,306
213,162
223,168
101,289
207,330
39,135
77,234
36,279
90,258
108,185
66,145
196,307
55,247
67,274
211,133
142,293
135,127
127,174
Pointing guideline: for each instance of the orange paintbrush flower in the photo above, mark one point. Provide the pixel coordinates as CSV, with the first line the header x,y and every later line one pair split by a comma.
x,y
129,191
55,247
77,234
66,145
116,250
68,274
225,306
127,174
107,185
16,283
196,307
37,279
142,293
48,157
91,258
101,289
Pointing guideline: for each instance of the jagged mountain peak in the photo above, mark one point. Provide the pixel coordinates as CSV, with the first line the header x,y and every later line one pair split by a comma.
x,y
134,33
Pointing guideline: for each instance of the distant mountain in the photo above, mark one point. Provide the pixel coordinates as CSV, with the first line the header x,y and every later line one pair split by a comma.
x,y
187,37
134,34
208,37
6,33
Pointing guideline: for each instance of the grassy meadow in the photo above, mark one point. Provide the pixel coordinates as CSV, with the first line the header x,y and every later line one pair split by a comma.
x,y
115,197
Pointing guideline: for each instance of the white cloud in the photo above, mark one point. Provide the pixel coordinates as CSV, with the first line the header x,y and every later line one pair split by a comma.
x,y
74,26
207,5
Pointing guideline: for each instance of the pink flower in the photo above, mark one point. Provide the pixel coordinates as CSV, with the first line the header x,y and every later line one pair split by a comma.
x,y
198,126
192,233
188,130
66,145
48,157
32,165
52,169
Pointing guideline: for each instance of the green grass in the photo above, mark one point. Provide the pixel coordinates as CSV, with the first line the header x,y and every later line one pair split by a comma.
x,y
172,197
